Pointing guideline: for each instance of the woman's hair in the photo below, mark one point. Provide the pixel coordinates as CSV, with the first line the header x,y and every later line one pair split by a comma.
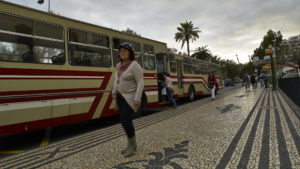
x,y
167,74
211,73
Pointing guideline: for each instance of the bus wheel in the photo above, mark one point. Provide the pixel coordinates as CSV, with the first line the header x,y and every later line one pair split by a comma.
x,y
191,94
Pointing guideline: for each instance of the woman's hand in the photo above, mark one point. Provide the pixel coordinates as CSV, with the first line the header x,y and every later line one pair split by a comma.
x,y
136,104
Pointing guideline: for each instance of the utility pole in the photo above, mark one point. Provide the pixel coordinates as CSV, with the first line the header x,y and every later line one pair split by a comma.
x,y
271,52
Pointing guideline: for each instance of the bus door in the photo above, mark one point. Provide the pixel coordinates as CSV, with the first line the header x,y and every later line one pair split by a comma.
x,y
179,77
161,68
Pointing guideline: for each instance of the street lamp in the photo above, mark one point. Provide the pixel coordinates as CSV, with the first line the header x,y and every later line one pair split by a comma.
x,y
271,51
42,1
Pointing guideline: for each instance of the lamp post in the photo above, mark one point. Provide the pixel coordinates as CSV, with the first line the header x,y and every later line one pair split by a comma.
x,y
271,51
42,1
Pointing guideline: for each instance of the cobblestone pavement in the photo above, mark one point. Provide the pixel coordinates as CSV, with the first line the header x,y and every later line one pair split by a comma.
x,y
240,129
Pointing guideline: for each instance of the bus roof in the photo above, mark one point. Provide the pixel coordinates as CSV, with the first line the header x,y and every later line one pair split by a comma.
x,y
195,59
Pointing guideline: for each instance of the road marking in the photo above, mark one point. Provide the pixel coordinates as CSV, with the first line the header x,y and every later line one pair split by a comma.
x,y
11,152
46,138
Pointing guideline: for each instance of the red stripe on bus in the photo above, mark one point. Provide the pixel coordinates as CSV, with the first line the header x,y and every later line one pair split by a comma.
x,y
44,78
18,71
188,77
149,74
150,86
199,93
40,124
106,110
46,91
29,99
152,104
99,96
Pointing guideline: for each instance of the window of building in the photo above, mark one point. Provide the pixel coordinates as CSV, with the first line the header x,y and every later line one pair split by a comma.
x,y
31,41
88,49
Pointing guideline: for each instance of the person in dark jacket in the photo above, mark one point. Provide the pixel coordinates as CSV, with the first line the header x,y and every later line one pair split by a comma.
x,y
253,81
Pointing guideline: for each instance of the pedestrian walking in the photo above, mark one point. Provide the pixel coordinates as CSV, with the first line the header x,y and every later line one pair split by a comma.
x,y
212,84
170,91
127,91
253,81
261,81
266,81
246,81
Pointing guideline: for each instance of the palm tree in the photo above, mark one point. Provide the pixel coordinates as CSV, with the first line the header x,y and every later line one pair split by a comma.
x,y
215,59
202,53
185,33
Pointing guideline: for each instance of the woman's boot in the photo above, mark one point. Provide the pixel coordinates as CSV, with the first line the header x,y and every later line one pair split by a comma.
x,y
131,147
124,150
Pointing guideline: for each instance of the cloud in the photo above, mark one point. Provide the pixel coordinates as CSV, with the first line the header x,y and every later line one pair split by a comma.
x,y
228,27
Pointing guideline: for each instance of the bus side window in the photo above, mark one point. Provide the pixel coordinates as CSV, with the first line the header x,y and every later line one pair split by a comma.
x,y
88,49
148,57
30,41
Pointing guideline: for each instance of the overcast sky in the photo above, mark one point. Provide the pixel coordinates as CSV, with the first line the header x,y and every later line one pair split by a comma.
x,y
229,27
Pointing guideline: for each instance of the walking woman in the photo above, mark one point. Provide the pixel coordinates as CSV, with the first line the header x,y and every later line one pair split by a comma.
x,y
127,91
212,84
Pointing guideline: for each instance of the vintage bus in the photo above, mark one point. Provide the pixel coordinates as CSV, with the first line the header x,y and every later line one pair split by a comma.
x,y
190,75
56,70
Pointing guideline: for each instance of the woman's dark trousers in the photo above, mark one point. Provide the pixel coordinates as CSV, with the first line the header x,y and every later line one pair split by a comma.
x,y
126,113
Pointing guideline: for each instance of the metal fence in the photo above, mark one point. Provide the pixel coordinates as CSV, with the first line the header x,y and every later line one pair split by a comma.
x,y
291,87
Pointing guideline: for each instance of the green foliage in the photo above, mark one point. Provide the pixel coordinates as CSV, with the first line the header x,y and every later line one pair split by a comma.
x,y
202,53
215,59
248,68
271,38
229,69
186,32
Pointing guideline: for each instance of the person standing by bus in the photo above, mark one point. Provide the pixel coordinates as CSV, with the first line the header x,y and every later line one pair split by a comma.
x,y
127,91
170,91
212,84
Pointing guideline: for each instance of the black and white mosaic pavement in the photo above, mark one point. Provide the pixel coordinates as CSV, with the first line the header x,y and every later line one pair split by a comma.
x,y
255,129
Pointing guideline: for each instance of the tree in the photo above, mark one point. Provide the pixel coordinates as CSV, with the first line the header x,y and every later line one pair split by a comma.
x,y
248,68
215,59
229,69
186,32
131,32
202,53
271,38
172,50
